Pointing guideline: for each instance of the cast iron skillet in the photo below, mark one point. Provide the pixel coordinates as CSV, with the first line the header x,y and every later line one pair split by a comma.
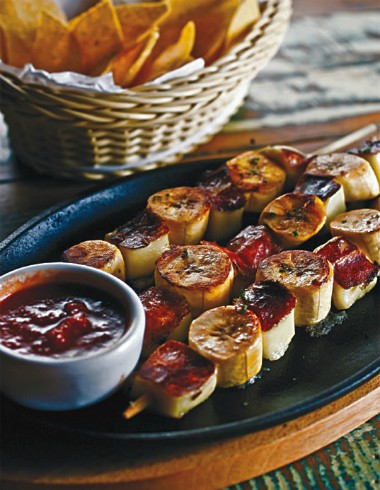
x,y
313,372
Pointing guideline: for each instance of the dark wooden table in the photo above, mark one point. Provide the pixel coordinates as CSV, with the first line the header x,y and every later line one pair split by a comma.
x,y
322,85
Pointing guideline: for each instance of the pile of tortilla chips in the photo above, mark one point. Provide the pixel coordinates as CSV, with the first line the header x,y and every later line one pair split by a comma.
x,y
137,42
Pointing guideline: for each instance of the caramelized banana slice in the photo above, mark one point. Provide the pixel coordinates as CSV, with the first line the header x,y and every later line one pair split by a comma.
x,y
308,276
362,227
291,160
294,218
184,210
370,151
203,274
175,379
167,316
354,274
260,178
328,190
141,241
274,305
351,171
230,337
98,254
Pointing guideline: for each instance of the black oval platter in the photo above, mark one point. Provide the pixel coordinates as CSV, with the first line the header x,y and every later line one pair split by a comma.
x,y
313,372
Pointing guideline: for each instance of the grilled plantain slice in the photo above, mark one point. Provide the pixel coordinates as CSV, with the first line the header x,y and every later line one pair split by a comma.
x,y
274,305
308,276
354,274
291,160
260,178
230,337
141,241
184,210
351,171
328,190
175,379
370,151
203,274
294,218
362,227
98,254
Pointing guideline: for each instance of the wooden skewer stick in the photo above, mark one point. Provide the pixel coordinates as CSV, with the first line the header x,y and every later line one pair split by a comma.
x,y
349,139
137,406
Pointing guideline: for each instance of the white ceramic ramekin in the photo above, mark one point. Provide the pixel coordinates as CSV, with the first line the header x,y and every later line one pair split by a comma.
x,y
49,383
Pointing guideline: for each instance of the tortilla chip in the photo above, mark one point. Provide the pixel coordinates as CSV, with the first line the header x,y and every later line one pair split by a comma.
x,y
65,53
98,34
137,19
173,57
212,19
20,20
246,15
126,66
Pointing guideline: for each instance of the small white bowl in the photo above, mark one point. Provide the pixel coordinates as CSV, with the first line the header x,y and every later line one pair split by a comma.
x,y
51,383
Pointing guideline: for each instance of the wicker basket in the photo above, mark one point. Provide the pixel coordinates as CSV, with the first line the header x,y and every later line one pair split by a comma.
x,y
74,134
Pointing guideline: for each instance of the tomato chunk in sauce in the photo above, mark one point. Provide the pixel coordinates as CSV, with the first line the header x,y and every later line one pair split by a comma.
x,y
60,320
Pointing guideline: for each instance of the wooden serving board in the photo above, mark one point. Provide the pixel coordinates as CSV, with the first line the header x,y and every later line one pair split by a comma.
x,y
67,463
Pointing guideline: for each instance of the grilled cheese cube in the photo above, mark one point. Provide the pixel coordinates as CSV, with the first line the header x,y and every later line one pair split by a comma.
x,y
167,316
274,305
141,241
354,274
203,274
308,276
184,210
328,190
176,379
227,204
230,337
351,171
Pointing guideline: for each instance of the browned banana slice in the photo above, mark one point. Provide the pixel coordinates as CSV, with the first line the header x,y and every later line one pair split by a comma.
x,y
308,277
99,254
260,178
294,218
184,210
202,273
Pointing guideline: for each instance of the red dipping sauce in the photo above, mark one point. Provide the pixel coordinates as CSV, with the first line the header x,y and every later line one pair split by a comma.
x,y
60,320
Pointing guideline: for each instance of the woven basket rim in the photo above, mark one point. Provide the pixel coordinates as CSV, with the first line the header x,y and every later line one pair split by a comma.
x,y
272,8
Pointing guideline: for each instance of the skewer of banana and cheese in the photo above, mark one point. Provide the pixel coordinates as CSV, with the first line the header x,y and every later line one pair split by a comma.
x,y
98,254
230,337
354,274
203,274
327,189
227,204
294,218
354,173
308,276
172,381
167,316
362,227
274,305
184,210
141,241
260,178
